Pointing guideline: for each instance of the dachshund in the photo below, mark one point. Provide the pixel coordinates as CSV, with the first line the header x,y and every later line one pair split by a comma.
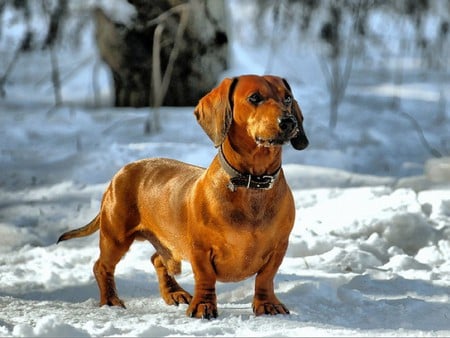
x,y
231,220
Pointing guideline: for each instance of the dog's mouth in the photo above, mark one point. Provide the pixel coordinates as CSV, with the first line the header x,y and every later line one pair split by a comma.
x,y
281,139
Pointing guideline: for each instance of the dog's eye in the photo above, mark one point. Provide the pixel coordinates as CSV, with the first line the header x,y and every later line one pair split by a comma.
x,y
287,100
255,98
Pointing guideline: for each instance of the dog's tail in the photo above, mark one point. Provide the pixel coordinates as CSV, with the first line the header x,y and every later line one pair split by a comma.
x,y
87,230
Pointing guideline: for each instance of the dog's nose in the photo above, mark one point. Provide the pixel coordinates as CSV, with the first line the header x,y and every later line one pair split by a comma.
x,y
287,123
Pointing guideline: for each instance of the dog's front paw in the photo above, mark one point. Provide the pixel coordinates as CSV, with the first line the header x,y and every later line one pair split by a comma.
x,y
202,309
269,308
177,297
113,301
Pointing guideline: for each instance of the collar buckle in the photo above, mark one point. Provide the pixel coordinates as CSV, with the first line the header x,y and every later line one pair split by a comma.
x,y
249,181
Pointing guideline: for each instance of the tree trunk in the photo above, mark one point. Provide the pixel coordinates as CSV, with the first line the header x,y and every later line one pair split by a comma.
x,y
195,60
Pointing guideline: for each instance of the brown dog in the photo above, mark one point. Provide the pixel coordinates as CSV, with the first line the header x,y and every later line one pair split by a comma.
x,y
231,220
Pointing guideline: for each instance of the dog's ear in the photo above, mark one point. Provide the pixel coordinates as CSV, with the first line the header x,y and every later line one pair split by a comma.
x,y
214,111
300,141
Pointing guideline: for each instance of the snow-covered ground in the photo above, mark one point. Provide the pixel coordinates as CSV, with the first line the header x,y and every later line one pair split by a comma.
x,y
369,254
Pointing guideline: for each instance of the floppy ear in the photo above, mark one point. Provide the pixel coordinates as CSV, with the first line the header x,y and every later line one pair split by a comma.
x,y
300,141
214,112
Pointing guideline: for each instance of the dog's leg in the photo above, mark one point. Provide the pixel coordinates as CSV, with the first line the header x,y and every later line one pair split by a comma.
x,y
265,301
111,251
171,292
204,303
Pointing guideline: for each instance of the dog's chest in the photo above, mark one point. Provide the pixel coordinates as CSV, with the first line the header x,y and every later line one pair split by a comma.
x,y
249,238
244,228
249,212
241,255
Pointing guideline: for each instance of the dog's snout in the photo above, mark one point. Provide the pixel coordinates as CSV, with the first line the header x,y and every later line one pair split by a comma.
x,y
287,123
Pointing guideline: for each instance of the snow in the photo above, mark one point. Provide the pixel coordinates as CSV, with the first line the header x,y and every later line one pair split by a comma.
x,y
369,254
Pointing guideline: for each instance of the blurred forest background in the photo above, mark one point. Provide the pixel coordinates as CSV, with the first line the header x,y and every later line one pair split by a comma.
x,y
171,52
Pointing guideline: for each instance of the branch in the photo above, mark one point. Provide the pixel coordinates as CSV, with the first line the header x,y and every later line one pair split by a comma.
x,y
156,65
326,72
8,70
160,83
175,51
66,74
55,77
164,16
423,140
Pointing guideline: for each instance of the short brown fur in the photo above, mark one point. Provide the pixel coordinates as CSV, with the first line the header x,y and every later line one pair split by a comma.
x,y
189,213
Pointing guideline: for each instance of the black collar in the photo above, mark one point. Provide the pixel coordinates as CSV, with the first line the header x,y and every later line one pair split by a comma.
x,y
249,181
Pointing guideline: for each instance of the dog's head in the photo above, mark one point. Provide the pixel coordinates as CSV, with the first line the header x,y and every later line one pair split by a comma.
x,y
261,107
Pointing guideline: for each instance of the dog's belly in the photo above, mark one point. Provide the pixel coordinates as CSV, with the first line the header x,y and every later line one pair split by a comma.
x,y
240,256
237,267
162,202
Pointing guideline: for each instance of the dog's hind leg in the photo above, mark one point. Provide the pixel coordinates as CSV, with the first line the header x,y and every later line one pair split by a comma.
x,y
171,292
111,251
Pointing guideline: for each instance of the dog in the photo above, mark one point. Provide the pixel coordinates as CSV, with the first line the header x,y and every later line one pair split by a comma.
x,y
231,220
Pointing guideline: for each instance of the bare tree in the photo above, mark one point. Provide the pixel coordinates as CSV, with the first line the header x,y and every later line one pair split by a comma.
x,y
56,17
344,34
191,42
337,63
24,45
192,46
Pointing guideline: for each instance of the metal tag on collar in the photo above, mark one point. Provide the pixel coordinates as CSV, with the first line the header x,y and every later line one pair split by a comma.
x,y
231,186
271,181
